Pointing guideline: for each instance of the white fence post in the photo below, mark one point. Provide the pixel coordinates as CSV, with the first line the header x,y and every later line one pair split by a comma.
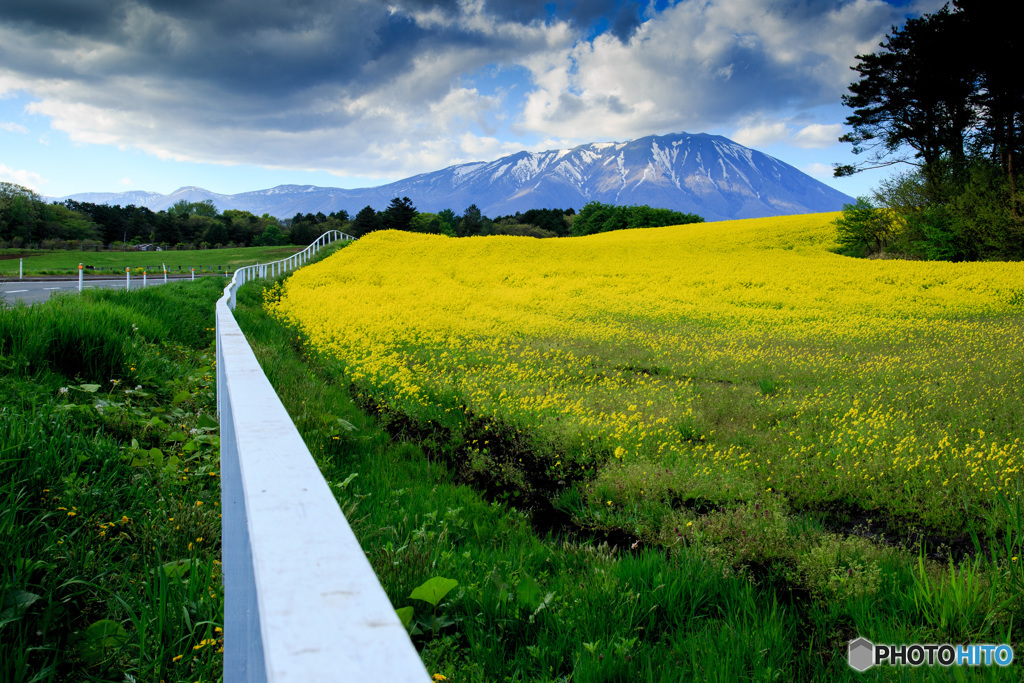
x,y
79,278
143,278
127,278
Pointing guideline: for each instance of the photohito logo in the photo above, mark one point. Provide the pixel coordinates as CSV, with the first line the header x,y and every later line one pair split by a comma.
x,y
862,654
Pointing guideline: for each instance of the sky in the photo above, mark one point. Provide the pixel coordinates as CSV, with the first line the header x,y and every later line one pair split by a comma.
x,y
240,95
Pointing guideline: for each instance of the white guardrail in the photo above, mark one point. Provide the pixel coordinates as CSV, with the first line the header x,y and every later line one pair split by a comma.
x,y
301,602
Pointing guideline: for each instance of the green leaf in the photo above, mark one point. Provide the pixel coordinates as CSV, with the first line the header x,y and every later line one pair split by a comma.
x,y
528,593
181,397
101,636
15,602
333,422
207,422
436,623
176,436
156,456
90,388
19,599
176,569
405,614
433,590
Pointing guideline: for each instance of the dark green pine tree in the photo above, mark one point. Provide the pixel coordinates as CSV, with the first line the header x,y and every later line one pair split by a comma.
x,y
365,222
398,215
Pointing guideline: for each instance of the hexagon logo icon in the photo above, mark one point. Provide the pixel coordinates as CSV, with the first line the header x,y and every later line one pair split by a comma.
x,y
861,654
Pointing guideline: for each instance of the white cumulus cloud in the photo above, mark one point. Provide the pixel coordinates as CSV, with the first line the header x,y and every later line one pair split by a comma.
x,y
701,64
362,88
822,171
761,133
818,135
29,179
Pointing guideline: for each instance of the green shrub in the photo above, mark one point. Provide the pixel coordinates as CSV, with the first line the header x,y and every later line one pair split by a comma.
x,y
596,217
863,228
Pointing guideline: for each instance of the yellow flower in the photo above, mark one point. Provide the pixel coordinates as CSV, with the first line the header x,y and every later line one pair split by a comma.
x,y
605,342
439,677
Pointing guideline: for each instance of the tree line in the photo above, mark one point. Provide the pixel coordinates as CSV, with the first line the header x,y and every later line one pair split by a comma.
x,y
944,96
593,218
28,221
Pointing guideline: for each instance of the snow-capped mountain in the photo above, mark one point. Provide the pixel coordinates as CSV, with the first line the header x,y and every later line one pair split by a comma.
x,y
704,174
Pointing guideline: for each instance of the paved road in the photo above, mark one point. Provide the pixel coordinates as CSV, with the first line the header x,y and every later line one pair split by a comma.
x,y
33,291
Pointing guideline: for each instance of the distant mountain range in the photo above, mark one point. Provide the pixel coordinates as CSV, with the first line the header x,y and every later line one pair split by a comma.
x,y
709,175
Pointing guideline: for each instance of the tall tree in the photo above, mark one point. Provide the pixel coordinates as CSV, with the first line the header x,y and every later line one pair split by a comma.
x,y
470,223
19,212
996,45
398,215
184,208
913,102
366,221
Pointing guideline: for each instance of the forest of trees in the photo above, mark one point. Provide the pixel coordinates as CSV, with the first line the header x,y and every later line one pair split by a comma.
x,y
402,215
596,217
943,96
26,221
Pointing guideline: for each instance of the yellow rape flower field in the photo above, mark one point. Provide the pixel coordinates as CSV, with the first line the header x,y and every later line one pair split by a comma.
x,y
712,362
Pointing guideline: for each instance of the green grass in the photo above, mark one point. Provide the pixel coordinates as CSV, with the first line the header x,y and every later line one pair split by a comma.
x,y
748,592
109,488
61,262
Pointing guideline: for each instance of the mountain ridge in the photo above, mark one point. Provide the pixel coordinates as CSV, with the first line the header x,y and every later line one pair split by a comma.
x,y
709,175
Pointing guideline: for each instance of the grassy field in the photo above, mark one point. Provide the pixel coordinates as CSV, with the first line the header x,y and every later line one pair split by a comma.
x,y
844,434
109,488
61,262
523,607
